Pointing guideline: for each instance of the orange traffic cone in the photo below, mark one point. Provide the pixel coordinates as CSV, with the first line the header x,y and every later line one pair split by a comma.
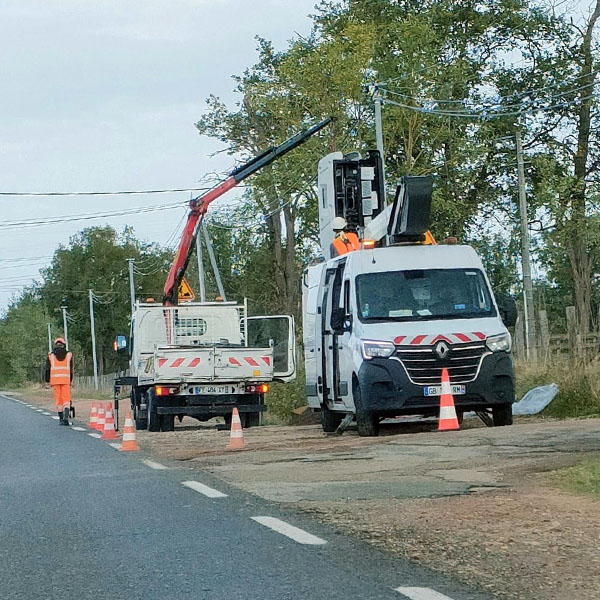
x,y
448,419
100,419
93,416
129,444
236,436
109,426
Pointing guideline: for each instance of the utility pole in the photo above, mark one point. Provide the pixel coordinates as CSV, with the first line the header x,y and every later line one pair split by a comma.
x,y
49,337
93,328
131,285
200,268
530,337
379,134
65,327
213,262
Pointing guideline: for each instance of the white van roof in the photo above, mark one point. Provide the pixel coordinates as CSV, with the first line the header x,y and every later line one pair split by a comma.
x,y
399,258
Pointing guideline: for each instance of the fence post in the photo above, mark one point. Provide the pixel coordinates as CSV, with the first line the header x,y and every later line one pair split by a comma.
x,y
544,335
520,338
572,332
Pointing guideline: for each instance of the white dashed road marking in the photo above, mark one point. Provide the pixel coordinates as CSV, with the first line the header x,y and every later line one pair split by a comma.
x,y
116,446
154,465
47,414
78,428
295,533
39,410
55,418
204,489
95,435
421,593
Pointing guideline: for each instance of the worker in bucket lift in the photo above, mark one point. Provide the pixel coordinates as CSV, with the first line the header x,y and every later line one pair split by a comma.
x,y
343,242
59,375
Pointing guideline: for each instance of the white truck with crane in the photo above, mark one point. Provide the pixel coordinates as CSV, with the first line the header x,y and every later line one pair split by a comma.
x,y
202,359
381,323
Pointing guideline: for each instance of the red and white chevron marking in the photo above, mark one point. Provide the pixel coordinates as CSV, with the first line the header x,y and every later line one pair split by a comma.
x,y
430,340
249,360
179,362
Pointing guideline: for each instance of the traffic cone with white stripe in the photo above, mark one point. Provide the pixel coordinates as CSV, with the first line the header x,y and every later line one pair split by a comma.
x,y
93,416
129,444
236,435
109,425
101,418
448,420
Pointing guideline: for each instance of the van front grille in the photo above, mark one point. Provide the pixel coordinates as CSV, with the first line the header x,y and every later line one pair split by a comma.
x,y
424,367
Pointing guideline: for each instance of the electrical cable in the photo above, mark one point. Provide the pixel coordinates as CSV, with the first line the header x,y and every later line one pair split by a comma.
x,y
117,193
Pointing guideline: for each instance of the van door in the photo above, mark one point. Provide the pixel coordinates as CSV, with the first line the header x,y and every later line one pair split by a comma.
x,y
331,300
278,331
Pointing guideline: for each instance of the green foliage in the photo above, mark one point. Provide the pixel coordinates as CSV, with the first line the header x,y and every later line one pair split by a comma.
x,y
23,341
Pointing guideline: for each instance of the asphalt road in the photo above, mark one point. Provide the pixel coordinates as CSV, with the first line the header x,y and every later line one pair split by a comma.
x,y
80,520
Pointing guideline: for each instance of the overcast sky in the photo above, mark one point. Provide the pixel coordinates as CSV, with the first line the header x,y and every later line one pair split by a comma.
x,y
104,95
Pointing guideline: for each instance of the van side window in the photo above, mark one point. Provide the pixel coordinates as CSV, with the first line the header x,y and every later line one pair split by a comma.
x,y
347,296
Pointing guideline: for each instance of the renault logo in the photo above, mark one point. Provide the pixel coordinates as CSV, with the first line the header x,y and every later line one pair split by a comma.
x,y
442,350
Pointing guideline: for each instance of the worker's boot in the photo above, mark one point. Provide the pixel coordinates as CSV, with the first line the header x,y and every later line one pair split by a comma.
x,y
66,416
60,417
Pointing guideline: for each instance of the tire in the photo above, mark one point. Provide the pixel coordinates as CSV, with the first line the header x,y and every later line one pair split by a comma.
x,y
250,419
367,421
141,423
502,415
330,420
167,422
153,416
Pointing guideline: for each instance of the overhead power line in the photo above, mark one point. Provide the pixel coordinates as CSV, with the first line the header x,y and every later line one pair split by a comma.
x,y
116,193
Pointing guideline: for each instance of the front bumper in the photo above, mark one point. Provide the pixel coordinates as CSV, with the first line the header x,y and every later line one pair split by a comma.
x,y
386,388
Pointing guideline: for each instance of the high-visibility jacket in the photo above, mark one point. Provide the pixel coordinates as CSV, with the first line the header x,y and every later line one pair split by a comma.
x,y
60,370
344,243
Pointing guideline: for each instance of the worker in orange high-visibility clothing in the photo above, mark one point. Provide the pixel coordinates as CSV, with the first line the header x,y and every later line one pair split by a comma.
x,y
343,242
59,374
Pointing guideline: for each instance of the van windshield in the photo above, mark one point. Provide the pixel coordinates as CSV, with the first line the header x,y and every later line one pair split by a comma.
x,y
424,294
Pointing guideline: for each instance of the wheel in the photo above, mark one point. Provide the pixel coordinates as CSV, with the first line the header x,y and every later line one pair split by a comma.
x,y
330,420
141,423
250,419
367,421
502,415
153,416
167,422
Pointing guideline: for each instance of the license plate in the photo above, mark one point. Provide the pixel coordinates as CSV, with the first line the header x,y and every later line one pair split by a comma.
x,y
213,389
436,390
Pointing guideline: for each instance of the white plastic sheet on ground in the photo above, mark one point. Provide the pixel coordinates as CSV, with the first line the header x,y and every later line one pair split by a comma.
x,y
535,400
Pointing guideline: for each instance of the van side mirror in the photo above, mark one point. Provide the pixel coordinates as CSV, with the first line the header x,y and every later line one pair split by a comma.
x,y
340,321
508,309
120,344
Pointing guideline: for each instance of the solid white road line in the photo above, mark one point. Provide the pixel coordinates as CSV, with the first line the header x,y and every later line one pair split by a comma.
x,y
78,428
296,534
154,465
421,593
55,418
204,489
95,435
115,446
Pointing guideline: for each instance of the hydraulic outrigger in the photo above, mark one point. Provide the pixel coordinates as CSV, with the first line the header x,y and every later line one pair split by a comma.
x,y
199,206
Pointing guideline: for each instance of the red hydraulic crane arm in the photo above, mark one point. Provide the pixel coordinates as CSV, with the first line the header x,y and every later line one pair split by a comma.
x,y
199,206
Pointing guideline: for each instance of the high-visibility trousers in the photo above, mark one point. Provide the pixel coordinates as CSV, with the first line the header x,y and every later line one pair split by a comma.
x,y
62,396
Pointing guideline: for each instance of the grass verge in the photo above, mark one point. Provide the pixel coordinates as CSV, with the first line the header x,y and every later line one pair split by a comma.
x,y
581,479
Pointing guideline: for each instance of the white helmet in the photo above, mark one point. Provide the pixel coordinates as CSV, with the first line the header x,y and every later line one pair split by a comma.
x,y
339,223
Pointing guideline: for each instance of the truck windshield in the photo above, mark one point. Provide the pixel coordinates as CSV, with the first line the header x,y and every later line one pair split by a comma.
x,y
424,294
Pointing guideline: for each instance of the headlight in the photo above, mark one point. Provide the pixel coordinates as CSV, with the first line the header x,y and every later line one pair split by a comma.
x,y
499,343
373,349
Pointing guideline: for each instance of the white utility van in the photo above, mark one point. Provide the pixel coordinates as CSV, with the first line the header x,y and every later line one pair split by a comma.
x,y
381,324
